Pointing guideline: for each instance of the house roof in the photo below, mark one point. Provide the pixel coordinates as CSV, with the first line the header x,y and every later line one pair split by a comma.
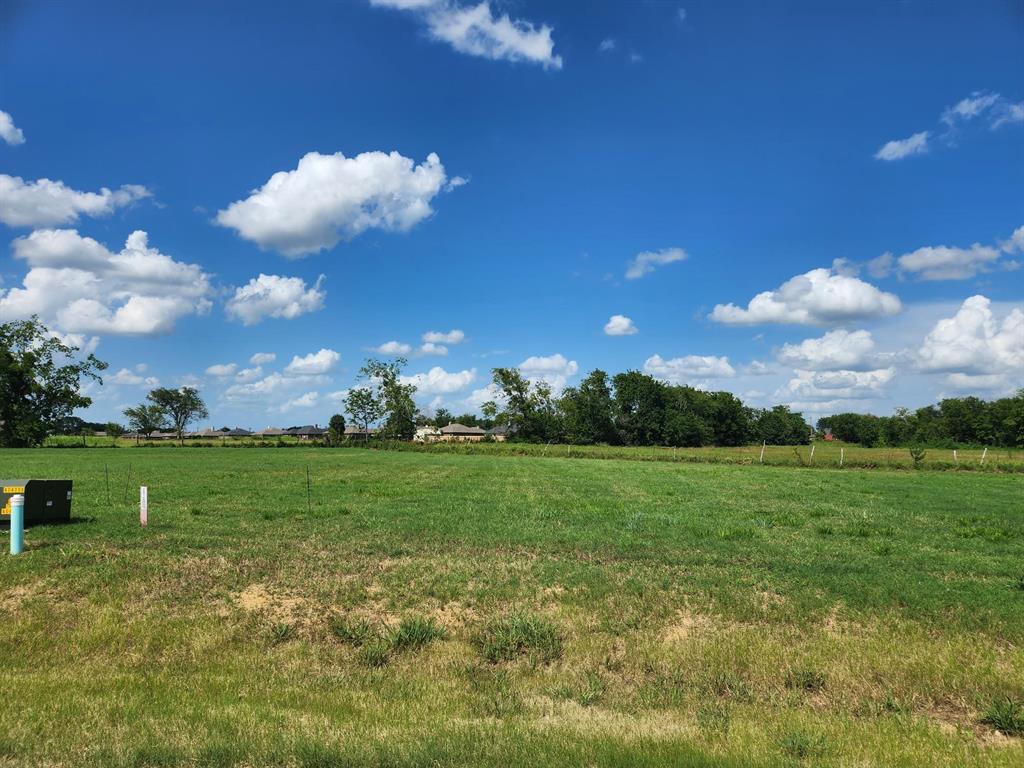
x,y
307,430
462,429
498,429
353,430
270,432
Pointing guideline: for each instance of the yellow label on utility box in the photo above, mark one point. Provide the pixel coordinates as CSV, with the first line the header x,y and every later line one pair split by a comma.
x,y
14,489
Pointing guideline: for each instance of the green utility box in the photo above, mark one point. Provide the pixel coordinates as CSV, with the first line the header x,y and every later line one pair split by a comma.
x,y
46,501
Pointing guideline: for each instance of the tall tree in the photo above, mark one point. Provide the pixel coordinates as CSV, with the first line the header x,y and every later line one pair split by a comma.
x,y
533,414
145,419
395,397
40,382
182,406
640,408
364,408
336,429
589,410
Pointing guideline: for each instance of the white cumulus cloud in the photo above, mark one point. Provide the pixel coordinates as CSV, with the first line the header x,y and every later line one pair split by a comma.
x,y
454,336
818,297
901,148
249,374
688,369
836,385
46,203
620,325
313,364
308,400
76,285
438,381
275,296
475,30
647,261
430,348
9,132
555,370
262,358
393,348
222,370
942,262
132,379
835,350
329,198
975,341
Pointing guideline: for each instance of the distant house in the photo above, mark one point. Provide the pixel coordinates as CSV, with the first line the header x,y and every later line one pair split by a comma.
x,y
498,433
270,432
460,433
308,432
352,432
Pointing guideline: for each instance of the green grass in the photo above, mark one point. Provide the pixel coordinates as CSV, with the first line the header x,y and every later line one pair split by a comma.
x,y
432,608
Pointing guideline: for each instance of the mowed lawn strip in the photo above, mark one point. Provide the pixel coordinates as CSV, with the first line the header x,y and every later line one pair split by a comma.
x,y
644,612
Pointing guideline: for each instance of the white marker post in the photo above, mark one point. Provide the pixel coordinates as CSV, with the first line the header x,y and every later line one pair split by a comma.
x,y
842,455
812,453
983,455
761,460
143,505
955,459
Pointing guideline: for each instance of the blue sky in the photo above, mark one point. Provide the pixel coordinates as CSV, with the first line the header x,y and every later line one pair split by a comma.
x,y
566,185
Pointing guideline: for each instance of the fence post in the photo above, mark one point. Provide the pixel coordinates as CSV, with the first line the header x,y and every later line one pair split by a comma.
x,y
763,443
983,455
842,455
143,505
17,524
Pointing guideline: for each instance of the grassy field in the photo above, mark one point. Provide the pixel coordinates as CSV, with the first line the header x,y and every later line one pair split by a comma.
x,y
447,609
825,454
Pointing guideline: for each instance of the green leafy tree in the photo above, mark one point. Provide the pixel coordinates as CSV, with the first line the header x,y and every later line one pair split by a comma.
x,y
182,406
589,410
780,426
443,417
336,429
145,419
113,429
395,397
640,408
363,407
40,382
532,412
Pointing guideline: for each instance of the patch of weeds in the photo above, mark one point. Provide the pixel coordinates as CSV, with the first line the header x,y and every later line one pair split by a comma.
x,y
355,631
714,717
375,654
1006,716
312,755
917,454
156,757
494,687
1019,583
810,680
586,693
517,635
415,632
281,632
726,685
825,530
219,756
802,746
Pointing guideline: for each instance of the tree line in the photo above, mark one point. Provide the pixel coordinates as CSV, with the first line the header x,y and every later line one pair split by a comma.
x,y
954,421
41,379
